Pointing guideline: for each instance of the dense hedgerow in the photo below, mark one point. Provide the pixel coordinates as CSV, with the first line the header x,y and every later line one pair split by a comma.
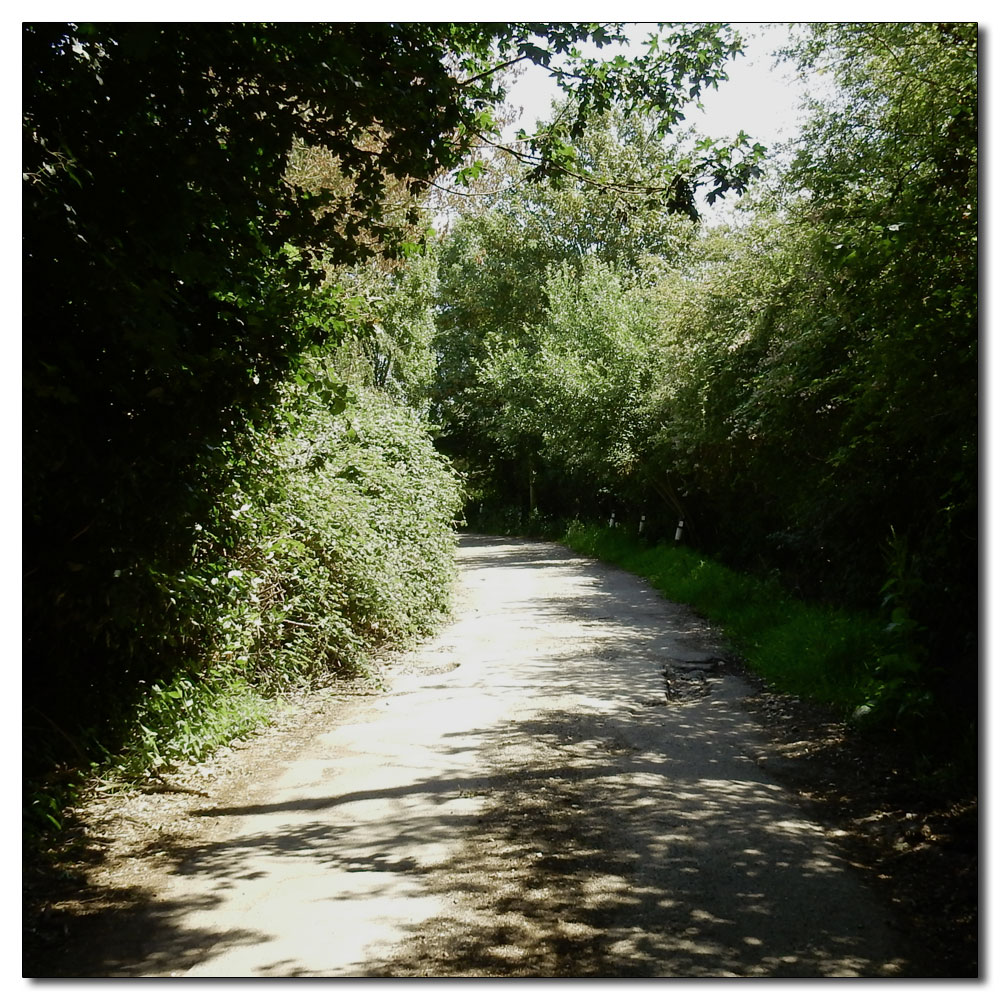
x,y
333,538
361,541
345,543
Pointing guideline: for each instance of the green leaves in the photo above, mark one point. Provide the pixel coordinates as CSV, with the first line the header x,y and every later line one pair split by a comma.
x,y
466,175
797,384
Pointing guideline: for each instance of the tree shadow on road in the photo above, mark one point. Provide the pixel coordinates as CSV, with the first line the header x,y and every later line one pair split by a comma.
x,y
644,866
638,846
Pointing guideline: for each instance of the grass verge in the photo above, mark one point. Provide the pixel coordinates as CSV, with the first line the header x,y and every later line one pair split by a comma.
x,y
817,652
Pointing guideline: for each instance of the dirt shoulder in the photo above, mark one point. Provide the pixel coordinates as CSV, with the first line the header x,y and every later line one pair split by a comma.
x,y
86,895
89,897
916,839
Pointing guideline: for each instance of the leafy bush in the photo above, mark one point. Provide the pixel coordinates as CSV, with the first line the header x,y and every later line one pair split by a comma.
x,y
361,539
343,543
333,537
184,720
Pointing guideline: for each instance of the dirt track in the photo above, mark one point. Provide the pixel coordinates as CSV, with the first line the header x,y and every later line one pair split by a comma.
x,y
563,783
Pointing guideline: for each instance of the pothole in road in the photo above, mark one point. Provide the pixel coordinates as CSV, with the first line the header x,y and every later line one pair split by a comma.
x,y
690,678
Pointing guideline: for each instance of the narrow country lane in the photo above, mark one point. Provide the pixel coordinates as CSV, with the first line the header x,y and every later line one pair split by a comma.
x,y
563,783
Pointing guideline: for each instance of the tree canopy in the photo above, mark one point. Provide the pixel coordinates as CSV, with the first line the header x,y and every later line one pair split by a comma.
x,y
242,334
799,388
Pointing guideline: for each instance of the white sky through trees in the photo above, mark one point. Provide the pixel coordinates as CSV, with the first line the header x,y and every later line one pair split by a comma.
x,y
759,97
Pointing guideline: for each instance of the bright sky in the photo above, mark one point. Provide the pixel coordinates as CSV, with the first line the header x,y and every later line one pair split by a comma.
x,y
758,98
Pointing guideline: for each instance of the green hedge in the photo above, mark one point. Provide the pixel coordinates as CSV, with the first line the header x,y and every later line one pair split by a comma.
x,y
334,537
